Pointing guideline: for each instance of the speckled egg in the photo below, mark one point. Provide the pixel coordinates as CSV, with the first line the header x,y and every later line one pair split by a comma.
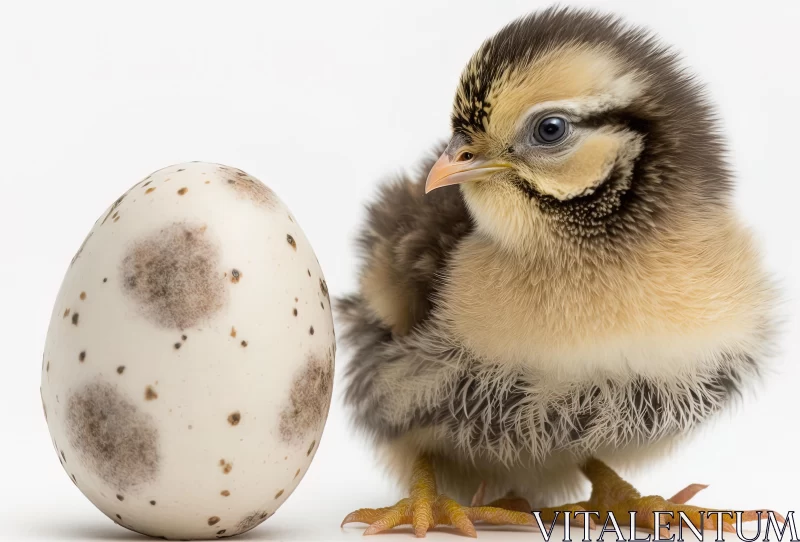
x,y
189,363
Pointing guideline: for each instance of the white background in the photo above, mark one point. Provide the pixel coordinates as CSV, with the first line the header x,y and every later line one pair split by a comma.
x,y
322,101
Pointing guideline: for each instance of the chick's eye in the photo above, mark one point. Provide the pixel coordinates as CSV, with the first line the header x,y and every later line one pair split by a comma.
x,y
551,130
464,156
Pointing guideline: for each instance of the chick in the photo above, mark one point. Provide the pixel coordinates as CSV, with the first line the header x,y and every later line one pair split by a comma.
x,y
567,283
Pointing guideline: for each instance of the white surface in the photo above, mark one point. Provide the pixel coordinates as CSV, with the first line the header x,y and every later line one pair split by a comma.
x,y
321,101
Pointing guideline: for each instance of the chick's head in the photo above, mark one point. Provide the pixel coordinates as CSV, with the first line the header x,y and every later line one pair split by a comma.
x,y
569,125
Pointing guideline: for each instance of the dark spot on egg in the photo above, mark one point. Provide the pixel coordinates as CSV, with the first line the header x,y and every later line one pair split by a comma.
x,y
182,191
149,190
183,337
172,275
225,493
82,296
236,275
233,332
309,398
251,521
244,343
177,345
213,520
294,311
82,356
152,503
311,448
234,418
116,441
311,330
105,279
120,497
120,369
248,187
114,206
323,286
66,313
279,493
309,272
291,241
75,317
150,394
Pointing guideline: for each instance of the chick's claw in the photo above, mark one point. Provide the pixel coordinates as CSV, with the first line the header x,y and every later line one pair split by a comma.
x,y
610,493
424,509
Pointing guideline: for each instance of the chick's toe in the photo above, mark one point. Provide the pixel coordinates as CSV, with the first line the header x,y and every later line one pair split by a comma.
x,y
424,509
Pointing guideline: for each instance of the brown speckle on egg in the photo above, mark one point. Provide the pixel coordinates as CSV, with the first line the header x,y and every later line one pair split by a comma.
x,y
48,367
75,317
119,517
251,521
220,532
234,418
149,190
296,474
236,275
323,286
311,447
182,191
213,520
176,345
291,241
248,187
244,343
294,311
233,332
116,441
225,493
66,313
82,296
120,369
279,493
184,337
226,466
173,276
309,272
311,330
152,503
82,356
105,279
120,497
309,397
150,394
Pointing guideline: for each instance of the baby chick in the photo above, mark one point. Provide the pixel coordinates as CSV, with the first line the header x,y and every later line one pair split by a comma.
x,y
568,281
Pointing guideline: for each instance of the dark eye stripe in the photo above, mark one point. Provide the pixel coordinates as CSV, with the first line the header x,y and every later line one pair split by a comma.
x,y
614,118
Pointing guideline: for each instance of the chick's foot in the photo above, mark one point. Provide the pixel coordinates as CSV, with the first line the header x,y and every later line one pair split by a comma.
x,y
425,509
612,494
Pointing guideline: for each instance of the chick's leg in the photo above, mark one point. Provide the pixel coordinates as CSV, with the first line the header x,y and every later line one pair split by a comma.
x,y
610,493
424,509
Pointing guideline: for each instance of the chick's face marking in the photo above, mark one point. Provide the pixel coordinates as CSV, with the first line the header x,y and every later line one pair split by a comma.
x,y
532,139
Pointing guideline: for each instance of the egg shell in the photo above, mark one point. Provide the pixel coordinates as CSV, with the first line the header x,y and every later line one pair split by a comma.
x,y
188,367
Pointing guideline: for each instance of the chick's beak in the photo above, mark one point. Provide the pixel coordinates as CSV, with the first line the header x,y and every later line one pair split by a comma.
x,y
449,170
